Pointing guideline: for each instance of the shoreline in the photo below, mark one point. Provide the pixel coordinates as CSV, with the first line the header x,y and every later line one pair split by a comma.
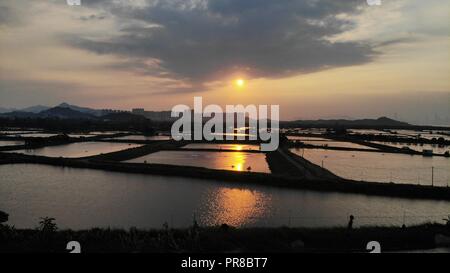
x,y
250,178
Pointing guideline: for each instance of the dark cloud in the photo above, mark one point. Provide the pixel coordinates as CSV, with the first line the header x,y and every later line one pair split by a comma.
x,y
200,41
8,16
92,17
401,40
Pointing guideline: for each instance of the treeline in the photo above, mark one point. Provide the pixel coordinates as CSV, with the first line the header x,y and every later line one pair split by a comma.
x,y
143,125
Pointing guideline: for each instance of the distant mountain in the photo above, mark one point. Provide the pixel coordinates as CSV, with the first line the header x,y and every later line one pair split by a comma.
x,y
41,108
389,121
64,113
85,110
19,114
380,122
6,110
35,109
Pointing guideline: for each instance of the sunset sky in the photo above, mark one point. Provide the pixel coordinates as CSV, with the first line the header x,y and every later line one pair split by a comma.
x,y
315,58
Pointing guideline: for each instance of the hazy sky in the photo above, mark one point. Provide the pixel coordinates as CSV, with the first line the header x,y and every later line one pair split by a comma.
x,y
315,58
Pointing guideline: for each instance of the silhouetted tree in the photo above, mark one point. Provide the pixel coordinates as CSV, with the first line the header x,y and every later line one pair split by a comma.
x,y
224,227
3,217
47,225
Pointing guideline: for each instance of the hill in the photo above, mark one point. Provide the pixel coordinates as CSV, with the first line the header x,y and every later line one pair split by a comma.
x,y
19,114
380,122
64,113
85,110
35,109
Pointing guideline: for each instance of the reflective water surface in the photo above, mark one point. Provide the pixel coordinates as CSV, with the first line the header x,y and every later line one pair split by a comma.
x,y
307,138
438,149
424,134
233,161
36,135
382,167
371,132
108,132
81,135
79,149
10,143
234,147
142,137
340,144
82,198
15,132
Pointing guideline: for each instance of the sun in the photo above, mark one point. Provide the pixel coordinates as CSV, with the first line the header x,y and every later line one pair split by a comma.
x,y
240,83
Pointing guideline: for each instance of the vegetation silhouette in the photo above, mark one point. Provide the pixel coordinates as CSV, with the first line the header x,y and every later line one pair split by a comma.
x,y
48,225
222,238
3,217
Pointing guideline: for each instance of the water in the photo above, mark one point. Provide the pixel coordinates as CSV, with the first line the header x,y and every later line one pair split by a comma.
x,y
83,198
108,132
79,149
439,149
423,134
233,161
15,132
339,144
142,137
402,133
234,147
80,135
218,136
317,131
370,132
10,143
320,141
382,167
307,138
35,135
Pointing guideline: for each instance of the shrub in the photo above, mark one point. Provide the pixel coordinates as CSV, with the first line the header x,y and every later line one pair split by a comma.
x,y
47,225
3,217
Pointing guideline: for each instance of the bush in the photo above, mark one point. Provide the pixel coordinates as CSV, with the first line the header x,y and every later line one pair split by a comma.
x,y
47,225
3,217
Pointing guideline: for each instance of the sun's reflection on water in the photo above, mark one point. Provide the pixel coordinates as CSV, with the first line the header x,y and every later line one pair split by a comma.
x,y
235,207
241,161
227,160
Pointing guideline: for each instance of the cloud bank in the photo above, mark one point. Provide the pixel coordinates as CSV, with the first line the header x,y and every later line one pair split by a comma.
x,y
207,41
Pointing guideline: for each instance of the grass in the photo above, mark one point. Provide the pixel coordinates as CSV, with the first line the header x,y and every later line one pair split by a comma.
x,y
221,239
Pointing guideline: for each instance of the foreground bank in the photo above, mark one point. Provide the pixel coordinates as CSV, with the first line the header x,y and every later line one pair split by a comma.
x,y
226,239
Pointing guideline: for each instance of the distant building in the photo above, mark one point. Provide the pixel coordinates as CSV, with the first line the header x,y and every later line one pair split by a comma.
x,y
153,115
159,116
112,111
138,111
